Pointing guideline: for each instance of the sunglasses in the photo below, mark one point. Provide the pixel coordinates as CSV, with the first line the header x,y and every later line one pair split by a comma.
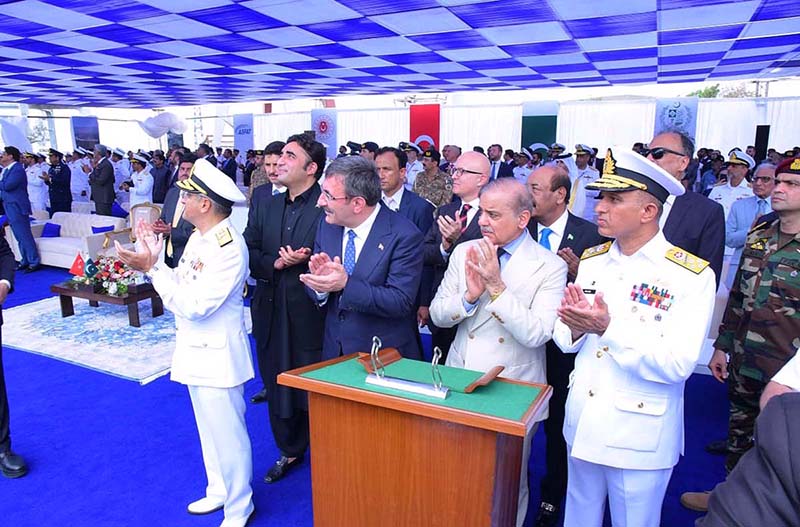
x,y
659,152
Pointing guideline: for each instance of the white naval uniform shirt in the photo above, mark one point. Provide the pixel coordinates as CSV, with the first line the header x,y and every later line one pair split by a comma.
x,y
38,191
582,201
142,190
412,169
726,195
521,174
625,405
205,294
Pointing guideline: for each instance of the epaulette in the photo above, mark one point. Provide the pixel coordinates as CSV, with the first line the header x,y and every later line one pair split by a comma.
x,y
686,260
597,249
768,218
224,237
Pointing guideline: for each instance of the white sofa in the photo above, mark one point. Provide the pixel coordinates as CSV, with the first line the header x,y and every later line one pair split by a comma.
x,y
76,237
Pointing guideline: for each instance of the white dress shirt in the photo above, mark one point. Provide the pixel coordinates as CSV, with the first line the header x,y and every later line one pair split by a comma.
x,y
362,231
393,202
789,375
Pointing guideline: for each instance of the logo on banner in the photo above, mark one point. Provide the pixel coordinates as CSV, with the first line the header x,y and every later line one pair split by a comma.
x,y
243,131
323,122
676,114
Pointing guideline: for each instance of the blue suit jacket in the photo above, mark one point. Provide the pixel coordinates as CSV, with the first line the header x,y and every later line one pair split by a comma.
x,y
697,224
379,296
418,210
14,191
740,219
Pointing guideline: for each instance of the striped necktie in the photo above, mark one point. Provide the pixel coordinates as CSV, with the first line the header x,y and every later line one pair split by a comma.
x,y
463,217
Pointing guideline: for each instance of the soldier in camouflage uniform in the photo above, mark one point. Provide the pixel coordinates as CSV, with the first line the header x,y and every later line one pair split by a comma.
x,y
433,184
760,330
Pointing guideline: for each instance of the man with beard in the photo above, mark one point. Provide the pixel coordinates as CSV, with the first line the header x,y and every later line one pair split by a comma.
x,y
288,326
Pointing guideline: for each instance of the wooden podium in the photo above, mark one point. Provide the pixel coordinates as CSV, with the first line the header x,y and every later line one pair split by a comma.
x,y
385,458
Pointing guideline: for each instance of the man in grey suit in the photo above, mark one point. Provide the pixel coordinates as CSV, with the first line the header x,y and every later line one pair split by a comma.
x,y
101,180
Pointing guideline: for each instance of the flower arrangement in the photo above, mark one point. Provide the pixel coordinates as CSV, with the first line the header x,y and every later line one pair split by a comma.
x,y
108,275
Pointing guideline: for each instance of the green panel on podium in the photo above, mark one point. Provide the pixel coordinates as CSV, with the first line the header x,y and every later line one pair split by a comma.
x,y
498,399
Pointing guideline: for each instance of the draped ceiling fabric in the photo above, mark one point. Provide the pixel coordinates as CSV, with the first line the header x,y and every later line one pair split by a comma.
x,y
156,53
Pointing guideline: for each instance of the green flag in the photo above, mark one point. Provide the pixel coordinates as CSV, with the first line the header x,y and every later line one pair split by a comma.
x,y
91,269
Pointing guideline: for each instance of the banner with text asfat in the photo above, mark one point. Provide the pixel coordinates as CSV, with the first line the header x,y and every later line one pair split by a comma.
x,y
243,131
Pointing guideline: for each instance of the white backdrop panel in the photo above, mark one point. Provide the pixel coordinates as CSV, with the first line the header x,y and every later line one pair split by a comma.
x,y
126,135
784,117
468,126
605,123
385,126
278,126
726,123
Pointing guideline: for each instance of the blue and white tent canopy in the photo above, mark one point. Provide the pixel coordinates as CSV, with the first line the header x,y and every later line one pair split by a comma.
x,y
155,53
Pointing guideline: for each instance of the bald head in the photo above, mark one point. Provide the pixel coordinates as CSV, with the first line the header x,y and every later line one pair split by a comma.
x,y
470,174
549,187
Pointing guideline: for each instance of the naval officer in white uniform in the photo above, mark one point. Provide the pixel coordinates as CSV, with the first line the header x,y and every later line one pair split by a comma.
x,y
212,351
637,316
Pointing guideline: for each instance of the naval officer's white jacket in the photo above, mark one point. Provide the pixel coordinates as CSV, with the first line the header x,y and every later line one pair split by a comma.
x,y
625,404
205,294
512,330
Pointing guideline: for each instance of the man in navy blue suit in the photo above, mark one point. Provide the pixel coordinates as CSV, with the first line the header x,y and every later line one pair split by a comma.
x,y
366,265
391,163
14,193
496,166
691,221
11,465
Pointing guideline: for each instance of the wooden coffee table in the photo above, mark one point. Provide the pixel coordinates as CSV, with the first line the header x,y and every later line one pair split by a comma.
x,y
141,292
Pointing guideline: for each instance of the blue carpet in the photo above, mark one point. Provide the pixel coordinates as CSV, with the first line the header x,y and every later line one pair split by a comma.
x,y
107,452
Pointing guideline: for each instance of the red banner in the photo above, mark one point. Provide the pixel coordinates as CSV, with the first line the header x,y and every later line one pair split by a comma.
x,y
424,125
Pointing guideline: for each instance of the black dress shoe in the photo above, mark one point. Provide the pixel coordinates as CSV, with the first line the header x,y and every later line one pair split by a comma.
x,y
548,515
12,465
280,468
260,397
32,268
22,267
718,448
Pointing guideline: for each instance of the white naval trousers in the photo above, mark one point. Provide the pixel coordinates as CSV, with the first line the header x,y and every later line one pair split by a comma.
x,y
227,455
634,496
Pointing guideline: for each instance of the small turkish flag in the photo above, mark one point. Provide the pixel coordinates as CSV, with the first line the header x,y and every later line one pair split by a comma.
x,y
77,266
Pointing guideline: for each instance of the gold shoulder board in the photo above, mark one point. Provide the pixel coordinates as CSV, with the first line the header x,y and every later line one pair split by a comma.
x,y
224,237
686,260
597,249
762,225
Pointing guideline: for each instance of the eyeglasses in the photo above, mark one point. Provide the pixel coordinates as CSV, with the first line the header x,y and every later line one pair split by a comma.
x,y
763,179
659,152
459,171
331,197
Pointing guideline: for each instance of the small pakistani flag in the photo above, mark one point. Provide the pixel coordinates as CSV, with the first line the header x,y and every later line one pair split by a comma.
x,y
91,269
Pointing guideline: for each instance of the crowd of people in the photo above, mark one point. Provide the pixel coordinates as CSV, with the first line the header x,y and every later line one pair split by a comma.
x,y
594,272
